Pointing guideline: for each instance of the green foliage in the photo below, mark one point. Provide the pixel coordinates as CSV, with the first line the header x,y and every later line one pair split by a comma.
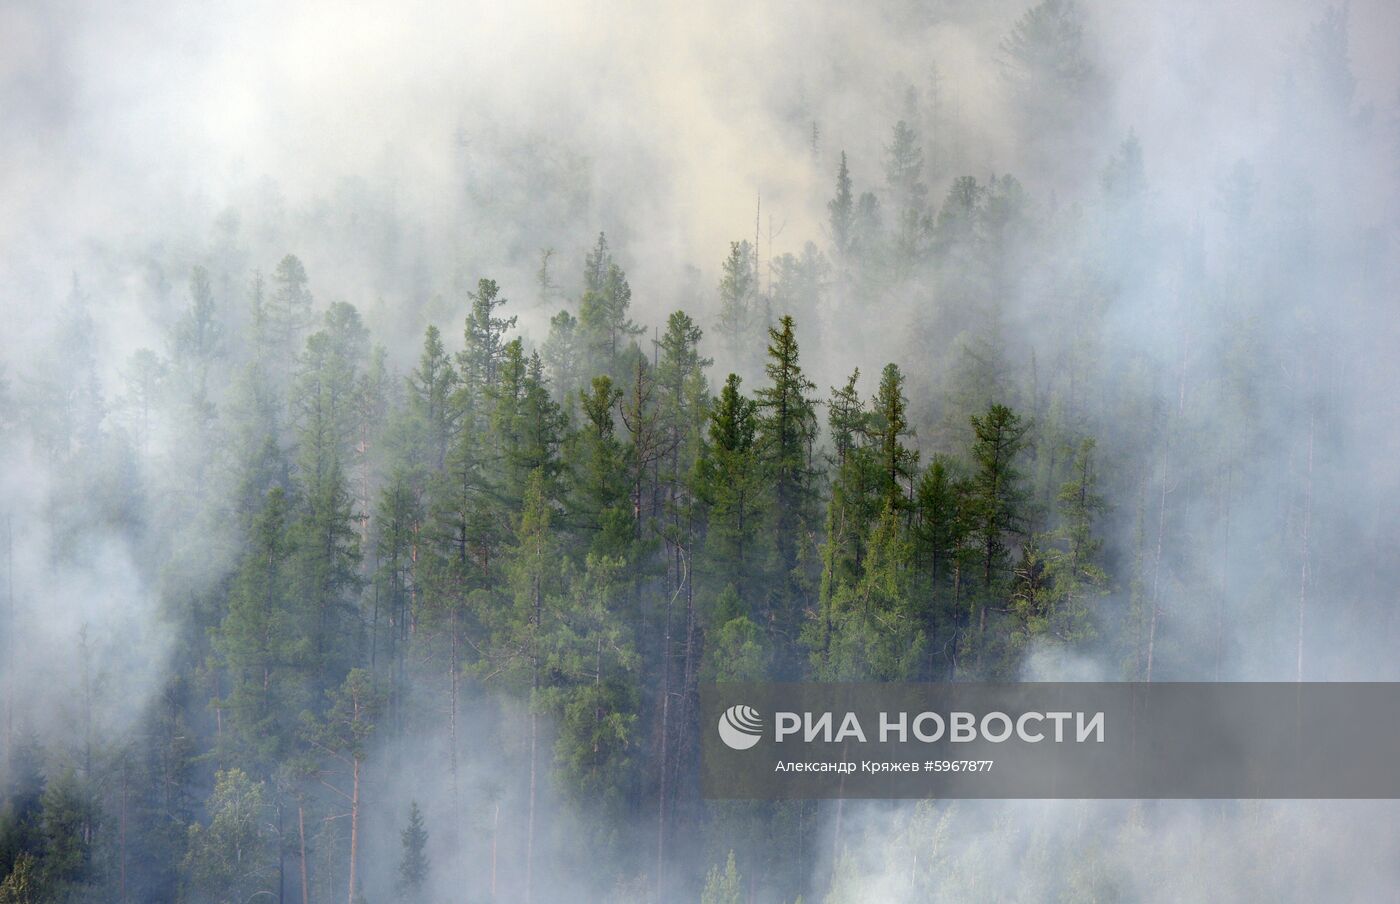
x,y
343,733
841,209
23,884
480,361
786,431
722,887
231,860
68,827
732,489
603,323
738,297
263,640
433,416
413,862
587,531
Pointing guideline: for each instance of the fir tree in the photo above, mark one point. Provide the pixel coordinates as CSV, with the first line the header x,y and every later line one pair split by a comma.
x,y
786,431
604,323
995,504
722,887
413,862
480,361
430,402
841,210
738,291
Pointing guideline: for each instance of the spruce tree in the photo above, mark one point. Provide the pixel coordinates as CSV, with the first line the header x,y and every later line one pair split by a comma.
x,y
430,402
261,643
996,507
722,886
604,323
738,295
889,426
413,862
841,210
480,361
731,487
786,431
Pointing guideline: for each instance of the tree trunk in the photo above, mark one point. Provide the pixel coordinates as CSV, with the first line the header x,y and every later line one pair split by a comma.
x,y
121,836
1307,542
9,644
495,833
665,751
354,826
281,852
530,812
1155,601
301,835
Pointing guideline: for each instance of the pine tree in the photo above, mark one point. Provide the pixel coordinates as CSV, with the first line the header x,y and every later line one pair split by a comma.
x,y
480,361
342,738
738,291
199,334
413,863
430,402
852,505
889,425
939,536
904,166
262,643
995,505
800,282
288,311
731,488
599,497
1044,59
521,633
786,431
527,423
593,691
68,825
842,210
398,519
603,322
596,264
846,419
23,883
562,353
722,887
327,578
1061,575
875,633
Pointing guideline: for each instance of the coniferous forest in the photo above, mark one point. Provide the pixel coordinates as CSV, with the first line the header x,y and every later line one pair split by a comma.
x,y
400,419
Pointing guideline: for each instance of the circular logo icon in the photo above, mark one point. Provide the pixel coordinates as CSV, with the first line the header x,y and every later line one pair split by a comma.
x,y
740,727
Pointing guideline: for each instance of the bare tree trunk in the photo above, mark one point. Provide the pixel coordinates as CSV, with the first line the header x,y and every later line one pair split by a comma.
x,y
1224,575
10,628
354,826
665,748
1307,541
530,813
1162,508
534,732
121,835
1153,605
495,833
281,850
836,832
301,834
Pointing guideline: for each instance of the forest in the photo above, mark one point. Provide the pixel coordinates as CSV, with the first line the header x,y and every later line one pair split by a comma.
x,y
366,547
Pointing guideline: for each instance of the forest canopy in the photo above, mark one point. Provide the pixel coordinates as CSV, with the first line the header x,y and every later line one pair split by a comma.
x,y
400,422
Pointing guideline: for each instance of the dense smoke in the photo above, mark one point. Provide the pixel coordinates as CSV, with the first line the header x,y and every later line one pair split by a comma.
x,y
1171,229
